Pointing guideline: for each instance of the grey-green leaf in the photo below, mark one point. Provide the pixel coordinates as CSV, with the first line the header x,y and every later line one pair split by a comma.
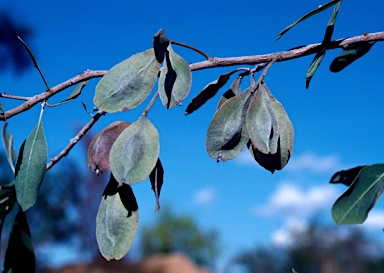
x,y
234,90
128,83
308,15
353,205
115,231
8,146
134,153
75,93
314,65
33,160
175,79
227,134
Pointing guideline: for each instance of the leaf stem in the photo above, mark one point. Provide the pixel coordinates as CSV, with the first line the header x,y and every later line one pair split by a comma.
x,y
191,47
146,110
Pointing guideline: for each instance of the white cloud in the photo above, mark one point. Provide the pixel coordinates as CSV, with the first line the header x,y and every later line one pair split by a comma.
x,y
283,236
290,201
205,196
311,162
375,219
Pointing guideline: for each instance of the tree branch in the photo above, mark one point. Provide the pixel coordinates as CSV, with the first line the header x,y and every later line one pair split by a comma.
x,y
76,139
211,63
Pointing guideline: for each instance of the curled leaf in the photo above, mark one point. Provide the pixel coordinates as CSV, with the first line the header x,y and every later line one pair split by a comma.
x,y
227,134
208,92
234,90
346,177
101,144
135,152
160,44
8,146
75,93
175,79
128,83
351,54
157,178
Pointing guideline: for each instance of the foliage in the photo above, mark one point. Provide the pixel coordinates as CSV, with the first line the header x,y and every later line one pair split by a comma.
x,y
247,115
179,233
316,249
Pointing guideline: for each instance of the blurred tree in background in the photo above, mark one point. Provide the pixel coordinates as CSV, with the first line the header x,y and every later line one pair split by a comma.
x,y
317,249
179,233
12,53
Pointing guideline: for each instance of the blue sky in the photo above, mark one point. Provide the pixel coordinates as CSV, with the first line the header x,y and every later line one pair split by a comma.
x,y
337,121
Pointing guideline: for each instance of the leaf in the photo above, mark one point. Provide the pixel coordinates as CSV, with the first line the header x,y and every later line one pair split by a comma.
x,y
32,162
75,93
157,178
125,192
346,177
115,228
227,134
128,83
1,107
20,256
209,91
234,90
160,44
353,205
308,15
8,146
135,152
351,54
262,122
175,79
321,53
101,144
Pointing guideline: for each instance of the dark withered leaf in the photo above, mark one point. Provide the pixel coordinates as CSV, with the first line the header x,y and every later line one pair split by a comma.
x,y
128,198
170,79
348,56
111,188
270,162
19,158
157,178
346,177
20,256
232,142
160,44
208,92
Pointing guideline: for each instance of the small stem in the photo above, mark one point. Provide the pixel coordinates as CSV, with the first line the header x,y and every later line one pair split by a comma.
x,y
193,48
9,96
146,110
74,140
262,76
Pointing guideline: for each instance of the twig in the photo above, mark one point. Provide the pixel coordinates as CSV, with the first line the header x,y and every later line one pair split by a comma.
x,y
193,48
9,96
262,60
74,140
262,76
146,110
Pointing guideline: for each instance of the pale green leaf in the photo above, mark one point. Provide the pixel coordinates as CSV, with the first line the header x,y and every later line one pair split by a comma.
x,y
8,146
32,162
75,93
134,153
128,83
308,15
353,206
227,134
115,231
175,79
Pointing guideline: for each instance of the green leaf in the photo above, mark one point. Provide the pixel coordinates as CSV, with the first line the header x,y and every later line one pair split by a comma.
x,y
128,83
209,91
100,146
351,54
308,15
227,134
175,79
234,90
353,205
8,146
32,161
160,44
75,93
20,256
115,231
134,153
321,53
346,177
